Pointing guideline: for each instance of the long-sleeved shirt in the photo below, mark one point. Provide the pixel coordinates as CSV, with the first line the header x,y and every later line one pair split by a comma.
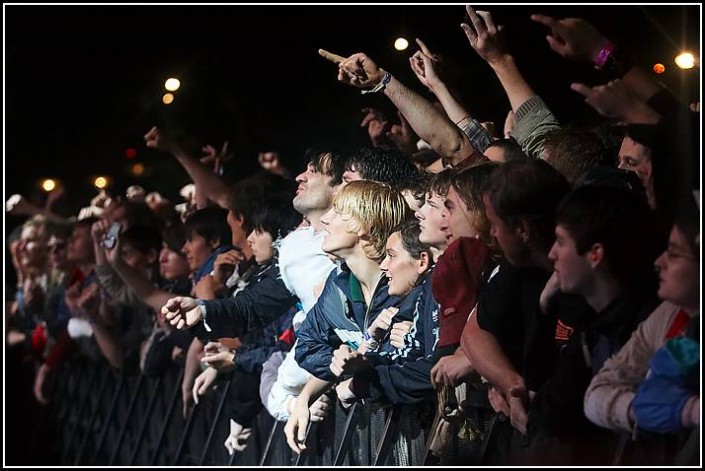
x,y
533,121
609,396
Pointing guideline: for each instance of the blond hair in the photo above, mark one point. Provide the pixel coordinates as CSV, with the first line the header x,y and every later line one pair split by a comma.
x,y
375,208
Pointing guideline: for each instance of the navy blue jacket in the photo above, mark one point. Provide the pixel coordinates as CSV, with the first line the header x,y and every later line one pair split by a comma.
x,y
404,376
340,316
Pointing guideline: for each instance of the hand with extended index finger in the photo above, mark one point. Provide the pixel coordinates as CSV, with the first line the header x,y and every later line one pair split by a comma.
x,y
359,71
616,100
423,64
572,38
334,58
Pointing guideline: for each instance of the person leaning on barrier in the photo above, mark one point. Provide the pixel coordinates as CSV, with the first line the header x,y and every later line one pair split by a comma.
x,y
398,370
363,216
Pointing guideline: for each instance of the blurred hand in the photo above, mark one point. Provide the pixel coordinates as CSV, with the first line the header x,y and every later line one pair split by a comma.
x,y
377,126
182,312
403,136
345,395
203,383
161,140
497,401
237,440
39,384
218,356
226,263
320,409
572,38
615,100
207,287
17,205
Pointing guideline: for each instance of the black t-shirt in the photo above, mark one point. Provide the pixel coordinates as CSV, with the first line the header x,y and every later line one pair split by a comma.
x,y
508,308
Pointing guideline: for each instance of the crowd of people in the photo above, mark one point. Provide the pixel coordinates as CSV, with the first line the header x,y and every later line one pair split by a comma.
x,y
545,279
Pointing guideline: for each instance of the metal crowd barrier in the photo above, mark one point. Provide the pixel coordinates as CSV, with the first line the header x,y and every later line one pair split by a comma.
x,y
98,416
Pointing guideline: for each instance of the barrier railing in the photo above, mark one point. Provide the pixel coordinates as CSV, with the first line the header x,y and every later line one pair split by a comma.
x,y
99,416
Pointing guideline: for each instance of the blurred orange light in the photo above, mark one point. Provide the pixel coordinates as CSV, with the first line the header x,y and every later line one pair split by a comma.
x,y
167,98
659,68
137,169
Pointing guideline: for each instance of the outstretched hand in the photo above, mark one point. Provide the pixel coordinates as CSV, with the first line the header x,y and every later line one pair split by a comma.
x,y
573,38
484,37
615,100
359,71
182,312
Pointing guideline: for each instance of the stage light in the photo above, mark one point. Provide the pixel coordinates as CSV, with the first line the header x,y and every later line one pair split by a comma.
x,y
48,185
401,44
659,68
685,60
172,84
167,98
100,182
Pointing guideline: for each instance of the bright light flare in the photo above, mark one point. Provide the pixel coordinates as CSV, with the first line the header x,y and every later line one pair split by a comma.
x,y
172,84
401,44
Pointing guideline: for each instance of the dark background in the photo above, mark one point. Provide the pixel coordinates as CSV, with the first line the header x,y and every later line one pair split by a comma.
x,y
84,83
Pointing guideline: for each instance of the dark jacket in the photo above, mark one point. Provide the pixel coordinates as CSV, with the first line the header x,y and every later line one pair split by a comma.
x,y
404,376
260,304
340,316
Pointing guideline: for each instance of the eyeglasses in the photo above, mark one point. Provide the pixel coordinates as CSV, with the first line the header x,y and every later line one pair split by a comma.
x,y
672,255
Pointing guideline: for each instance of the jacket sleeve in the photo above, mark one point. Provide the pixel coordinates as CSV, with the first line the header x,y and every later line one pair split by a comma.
x,y
407,379
254,307
534,120
111,282
609,397
313,350
290,380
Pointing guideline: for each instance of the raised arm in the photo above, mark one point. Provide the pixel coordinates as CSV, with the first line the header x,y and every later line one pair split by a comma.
x,y
576,39
208,183
533,119
615,100
423,64
488,41
430,124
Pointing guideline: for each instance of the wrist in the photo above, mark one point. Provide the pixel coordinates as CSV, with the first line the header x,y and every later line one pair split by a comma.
x,y
381,84
502,61
599,46
603,55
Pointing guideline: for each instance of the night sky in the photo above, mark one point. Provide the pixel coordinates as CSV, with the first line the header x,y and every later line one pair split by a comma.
x,y
84,84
